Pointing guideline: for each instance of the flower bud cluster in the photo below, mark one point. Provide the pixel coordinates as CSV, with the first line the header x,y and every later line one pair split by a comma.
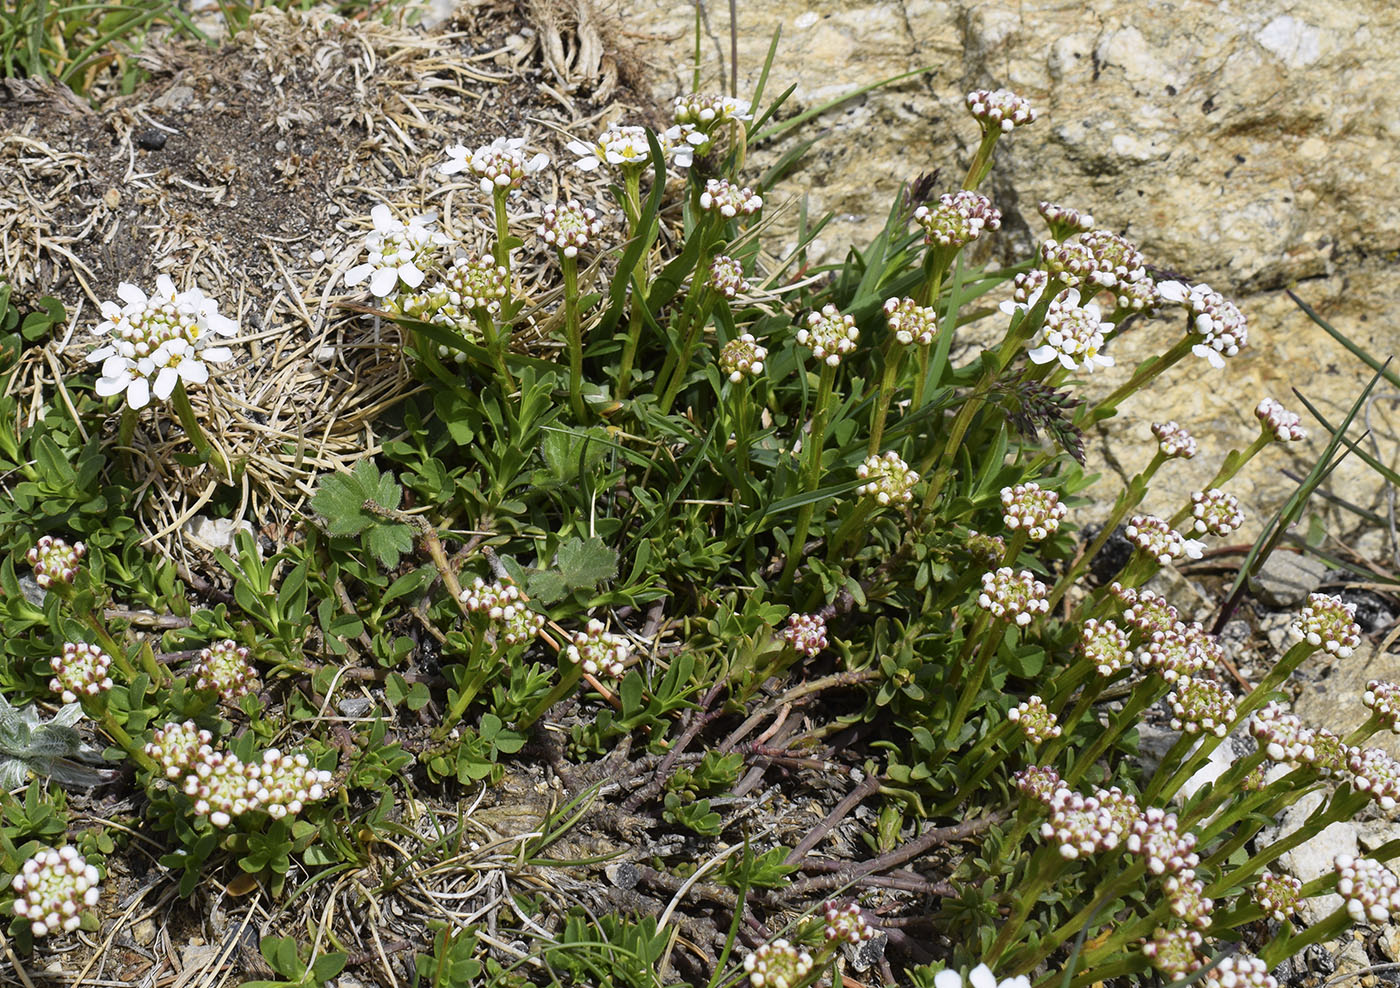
x,y
887,479
504,605
1201,706
1281,734
223,668
1029,508
1036,721
910,322
1105,645
500,165
1377,774
1015,596
987,549
1239,971
1187,900
54,560
1173,951
1026,289
1039,783
476,283
1122,807
777,965
1216,512
829,334
1371,890
704,110
742,357
1064,222
845,924
1145,610
176,746
729,200
1286,426
1219,321
599,651
1157,839
1071,334
1328,621
1383,700
1277,896
223,786
1179,653
727,276
53,888
1000,109
1068,261
1137,293
1116,260
432,306
569,228
80,671
958,219
1173,440
1080,825
806,633
1154,537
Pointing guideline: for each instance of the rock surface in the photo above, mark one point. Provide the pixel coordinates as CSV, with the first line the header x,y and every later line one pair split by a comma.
x,y
1333,699
1248,145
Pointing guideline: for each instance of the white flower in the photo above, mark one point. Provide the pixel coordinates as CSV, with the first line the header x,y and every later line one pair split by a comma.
x,y
152,342
1213,316
980,976
617,146
394,249
501,164
1072,335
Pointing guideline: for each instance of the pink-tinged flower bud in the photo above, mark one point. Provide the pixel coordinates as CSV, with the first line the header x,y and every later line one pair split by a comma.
x,y
599,651
1383,700
1105,645
1329,622
1219,322
1064,222
829,335
1377,774
1014,596
912,324
1116,260
1157,839
1158,540
806,633
1187,901
54,560
742,357
80,671
1174,951
1079,825
887,479
777,965
177,746
53,888
1216,512
1285,426
1068,261
569,228
1000,109
504,607
1239,971
223,668
1277,896
1035,720
1040,783
477,283
1145,610
1201,706
845,924
1033,510
727,276
1173,440
957,219
1370,889
729,200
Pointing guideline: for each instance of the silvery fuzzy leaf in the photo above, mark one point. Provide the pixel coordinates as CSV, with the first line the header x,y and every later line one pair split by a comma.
x,y
68,715
13,773
71,775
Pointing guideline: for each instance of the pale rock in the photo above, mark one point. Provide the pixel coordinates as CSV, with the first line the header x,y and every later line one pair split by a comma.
x,y
1376,833
1247,145
1286,578
1352,960
1333,699
144,932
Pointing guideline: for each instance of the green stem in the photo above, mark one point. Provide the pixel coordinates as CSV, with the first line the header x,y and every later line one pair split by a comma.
x,y
502,251
632,205
894,356
855,521
812,478
1232,465
96,708
1109,406
982,160
495,346
185,412
991,641
1282,946
1072,927
693,318
575,337
1147,693
572,673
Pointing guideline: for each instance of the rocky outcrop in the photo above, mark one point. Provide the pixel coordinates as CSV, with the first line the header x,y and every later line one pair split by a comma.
x,y
1249,145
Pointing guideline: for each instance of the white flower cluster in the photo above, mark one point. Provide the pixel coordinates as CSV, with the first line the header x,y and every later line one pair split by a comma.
x,y
910,322
500,165
727,276
1159,540
223,668
504,605
1000,109
1371,890
829,334
54,560
706,110
1216,512
1072,334
1329,622
154,342
395,250
1064,221
52,889
569,227
887,479
957,219
1034,718
1213,316
626,147
777,965
1016,596
742,356
223,786
80,671
1273,418
599,651
1173,441
1027,507
980,976
729,200
806,633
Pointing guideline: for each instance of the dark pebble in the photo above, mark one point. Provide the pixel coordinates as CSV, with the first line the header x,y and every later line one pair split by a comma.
x,y
151,139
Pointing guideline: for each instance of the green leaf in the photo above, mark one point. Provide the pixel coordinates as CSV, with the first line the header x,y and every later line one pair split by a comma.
x,y
585,564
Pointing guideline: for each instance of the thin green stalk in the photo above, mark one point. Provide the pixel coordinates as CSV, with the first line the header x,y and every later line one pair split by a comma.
x,y
894,357
1146,693
502,250
181,401
694,316
1283,947
632,178
574,335
569,679
812,475
471,686
1141,378
989,645
495,346
1072,927
982,160
1234,462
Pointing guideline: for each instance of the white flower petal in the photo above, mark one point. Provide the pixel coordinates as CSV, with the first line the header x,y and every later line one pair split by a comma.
x,y
130,294
1173,291
216,354
383,218
193,371
138,395
947,979
108,386
222,325
101,354
1043,354
982,976
165,382
410,275
383,282
165,286
358,274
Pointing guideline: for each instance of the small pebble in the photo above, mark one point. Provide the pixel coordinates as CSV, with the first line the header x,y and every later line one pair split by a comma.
x,y
151,139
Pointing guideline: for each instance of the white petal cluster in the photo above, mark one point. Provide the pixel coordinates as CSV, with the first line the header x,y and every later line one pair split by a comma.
x,y
1214,317
500,165
53,888
153,342
599,651
1072,334
623,147
829,334
395,250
